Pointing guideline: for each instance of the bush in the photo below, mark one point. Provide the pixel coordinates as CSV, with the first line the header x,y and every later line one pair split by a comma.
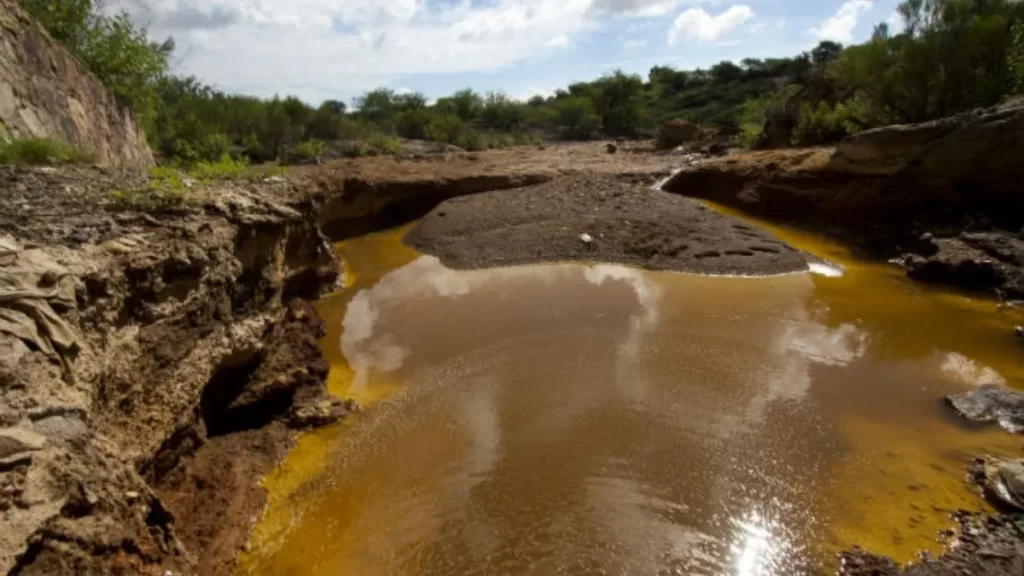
x,y
470,141
41,151
821,124
383,144
577,118
223,169
310,149
446,128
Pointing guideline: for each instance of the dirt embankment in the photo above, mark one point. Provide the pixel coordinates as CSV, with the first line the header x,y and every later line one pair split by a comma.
x,y
154,367
946,198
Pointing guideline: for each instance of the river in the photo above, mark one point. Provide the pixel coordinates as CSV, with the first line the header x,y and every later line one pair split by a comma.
x,y
601,419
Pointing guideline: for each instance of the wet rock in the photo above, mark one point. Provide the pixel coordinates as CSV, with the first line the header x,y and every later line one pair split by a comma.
x,y
1019,331
321,413
991,403
18,440
612,148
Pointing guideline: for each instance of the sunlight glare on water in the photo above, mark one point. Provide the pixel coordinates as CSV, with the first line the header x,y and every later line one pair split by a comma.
x,y
601,419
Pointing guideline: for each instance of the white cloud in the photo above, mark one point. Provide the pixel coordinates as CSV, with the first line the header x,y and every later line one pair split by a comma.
x,y
337,48
840,26
630,44
697,25
637,8
559,41
896,23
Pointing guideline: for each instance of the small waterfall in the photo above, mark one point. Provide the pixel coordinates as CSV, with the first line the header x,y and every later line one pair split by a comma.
x,y
658,185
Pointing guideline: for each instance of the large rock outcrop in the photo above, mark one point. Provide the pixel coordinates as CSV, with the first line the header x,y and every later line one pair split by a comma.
x,y
921,191
45,92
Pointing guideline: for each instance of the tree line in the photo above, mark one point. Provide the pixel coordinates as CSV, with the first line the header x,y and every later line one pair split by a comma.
x,y
953,55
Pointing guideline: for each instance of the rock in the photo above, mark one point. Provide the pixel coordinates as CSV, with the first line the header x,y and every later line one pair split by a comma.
x,y
9,462
46,92
959,264
322,413
1012,474
991,403
1019,331
611,148
677,132
17,440
982,146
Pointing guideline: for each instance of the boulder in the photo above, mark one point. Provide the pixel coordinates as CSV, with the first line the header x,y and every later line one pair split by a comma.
x,y
981,147
991,403
676,132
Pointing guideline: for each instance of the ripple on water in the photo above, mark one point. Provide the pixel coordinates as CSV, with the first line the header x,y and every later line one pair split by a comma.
x,y
575,419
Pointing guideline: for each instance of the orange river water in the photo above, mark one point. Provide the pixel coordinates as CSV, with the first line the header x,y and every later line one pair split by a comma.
x,y
600,419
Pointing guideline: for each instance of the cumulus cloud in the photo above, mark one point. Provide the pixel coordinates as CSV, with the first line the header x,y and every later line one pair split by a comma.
x,y
840,26
337,48
896,23
696,25
641,8
559,41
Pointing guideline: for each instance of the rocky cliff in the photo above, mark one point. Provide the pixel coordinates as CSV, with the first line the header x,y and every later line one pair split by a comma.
x,y
45,92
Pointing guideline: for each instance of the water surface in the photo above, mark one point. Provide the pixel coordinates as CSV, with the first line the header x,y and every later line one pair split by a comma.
x,y
600,419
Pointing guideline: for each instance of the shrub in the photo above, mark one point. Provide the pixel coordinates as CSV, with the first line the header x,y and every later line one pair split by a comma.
x,y
821,124
383,144
310,149
223,169
470,141
577,118
39,151
447,128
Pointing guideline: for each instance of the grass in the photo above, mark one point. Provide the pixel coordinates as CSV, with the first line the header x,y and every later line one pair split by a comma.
x,y
41,152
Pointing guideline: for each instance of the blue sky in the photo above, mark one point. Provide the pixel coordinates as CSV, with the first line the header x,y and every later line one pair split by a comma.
x,y
319,49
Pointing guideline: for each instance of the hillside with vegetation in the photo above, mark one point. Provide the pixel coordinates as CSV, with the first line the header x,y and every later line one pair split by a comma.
x,y
953,55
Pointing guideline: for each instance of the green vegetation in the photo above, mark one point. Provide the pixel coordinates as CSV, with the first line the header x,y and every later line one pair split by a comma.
x,y
953,55
39,151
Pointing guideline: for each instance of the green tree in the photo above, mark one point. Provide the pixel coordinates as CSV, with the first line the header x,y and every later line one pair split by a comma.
x,y
577,118
377,106
67,21
726,71
117,51
825,52
618,100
